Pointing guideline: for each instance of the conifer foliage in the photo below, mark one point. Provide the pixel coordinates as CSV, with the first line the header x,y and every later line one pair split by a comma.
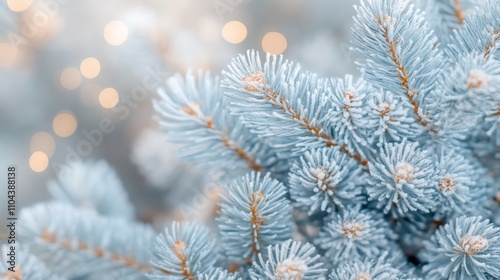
x,y
338,178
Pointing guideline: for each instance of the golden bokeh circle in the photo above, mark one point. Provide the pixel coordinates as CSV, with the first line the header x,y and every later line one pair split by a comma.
x,y
90,67
234,32
274,43
19,5
39,161
108,98
64,124
115,33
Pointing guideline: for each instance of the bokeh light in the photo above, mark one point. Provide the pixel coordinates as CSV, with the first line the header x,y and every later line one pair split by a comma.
x,y
108,98
44,142
90,67
234,32
274,43
7,54
64,124
115,33
19,5
71,78
39,161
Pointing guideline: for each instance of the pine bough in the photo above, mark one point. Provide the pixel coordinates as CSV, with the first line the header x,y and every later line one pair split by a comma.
x,y
387,176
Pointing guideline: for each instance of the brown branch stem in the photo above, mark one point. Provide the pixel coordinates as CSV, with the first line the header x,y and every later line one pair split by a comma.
x,y
98,252
403,75
459,13
315,130
209,123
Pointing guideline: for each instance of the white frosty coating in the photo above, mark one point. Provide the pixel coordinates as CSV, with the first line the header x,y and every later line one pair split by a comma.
x,y
404,171
350,93
384,107
477,79
447,185
388,20
353,229
320,173
473,244
290,269
363,276
254,81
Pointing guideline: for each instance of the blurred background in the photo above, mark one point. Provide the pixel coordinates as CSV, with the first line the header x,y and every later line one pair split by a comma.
x,y
77,79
